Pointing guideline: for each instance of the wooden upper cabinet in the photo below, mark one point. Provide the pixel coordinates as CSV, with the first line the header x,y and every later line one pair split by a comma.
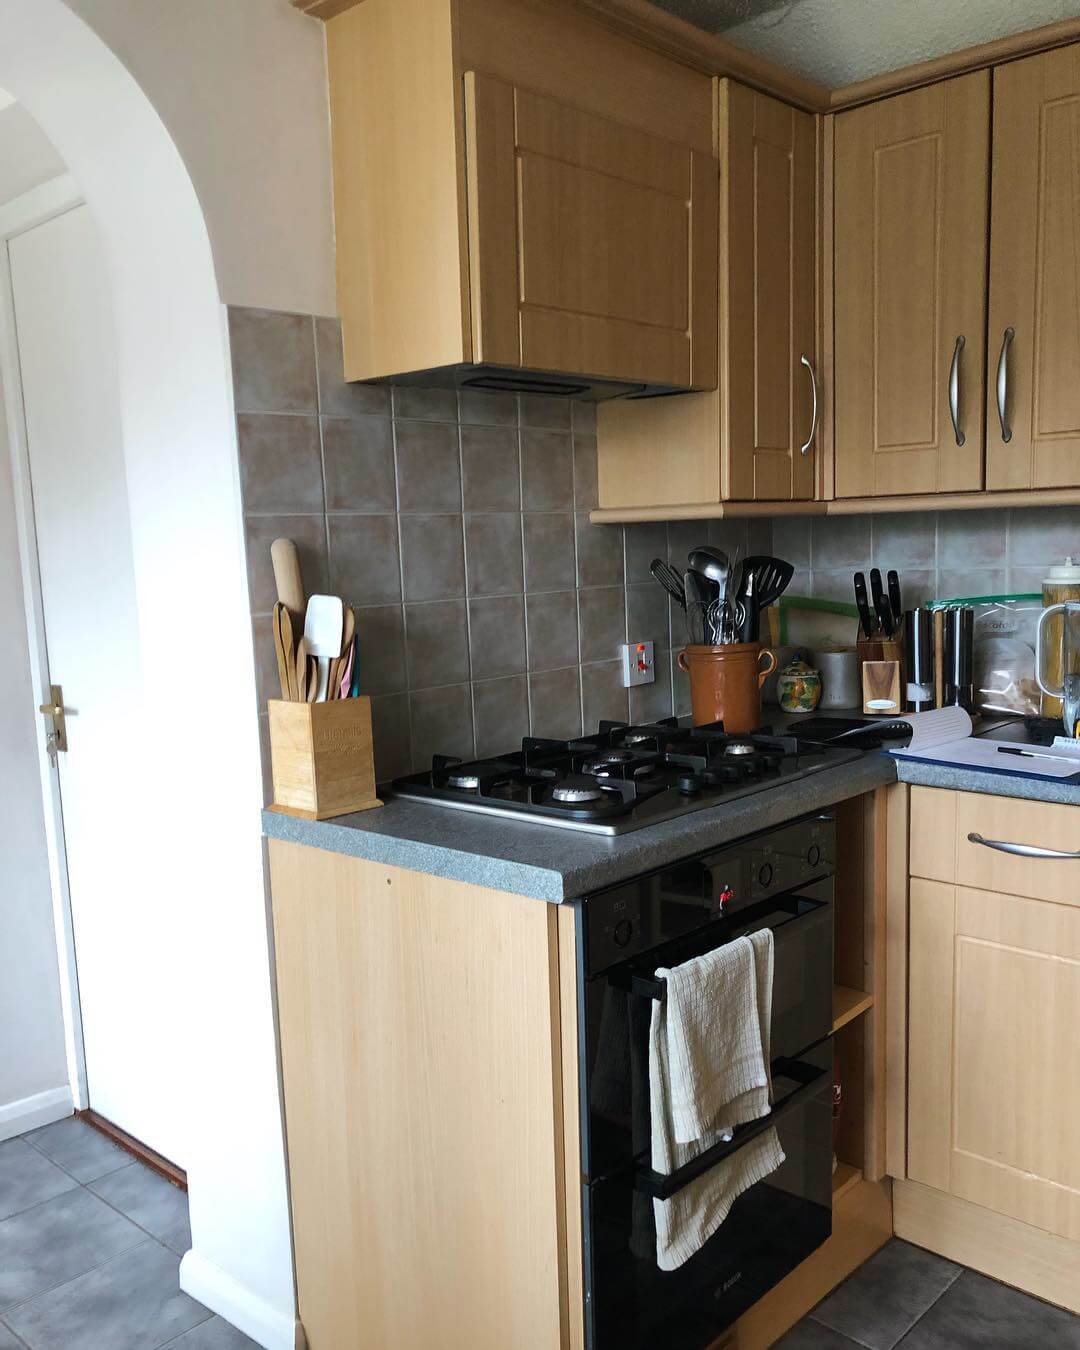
x,y
910,216
1033,376
745,441
517,185
591,242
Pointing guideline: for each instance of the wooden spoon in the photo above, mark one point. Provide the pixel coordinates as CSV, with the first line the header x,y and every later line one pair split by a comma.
x,y
287,647
301,671
279,651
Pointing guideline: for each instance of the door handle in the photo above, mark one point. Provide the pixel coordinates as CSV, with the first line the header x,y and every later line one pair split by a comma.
x,y
54,710
954,390
804,449
1021,850
1003,383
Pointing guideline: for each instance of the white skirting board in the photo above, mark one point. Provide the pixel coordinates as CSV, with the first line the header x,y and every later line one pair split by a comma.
x,y
28,1113
235,1303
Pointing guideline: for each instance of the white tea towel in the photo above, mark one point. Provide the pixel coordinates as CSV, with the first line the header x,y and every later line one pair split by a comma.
x,y
708,1072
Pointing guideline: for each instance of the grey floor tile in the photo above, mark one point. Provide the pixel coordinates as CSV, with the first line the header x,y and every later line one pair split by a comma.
x,y
27,1178
79,1148
811,1335
882,1299
58,1240
213,1335
979,1314
132,1302
8,1339
150,1201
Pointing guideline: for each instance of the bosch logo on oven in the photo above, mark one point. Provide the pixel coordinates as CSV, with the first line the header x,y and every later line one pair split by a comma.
x,y
728,1284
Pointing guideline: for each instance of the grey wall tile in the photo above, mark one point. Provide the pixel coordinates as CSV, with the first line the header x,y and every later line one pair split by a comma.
x,y
364,566
585,471
437,642
955,583
733,536
390,734
973,539
491,470
381,649
358,463
273,361
791,539
1046,534
550,563
441,723
497,636
267,684
840,541
601,622
644,542
280,467
651,701
602,694
493,554
549,412
907,539
547,470
583,417
599,553
428,405
502,714
336,398
428,466
649,613
309,535
433,557
555,703
552,622
684,536
487,407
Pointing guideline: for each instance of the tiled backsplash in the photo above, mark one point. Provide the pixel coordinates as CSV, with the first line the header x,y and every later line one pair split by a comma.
x,y
938,555
488,606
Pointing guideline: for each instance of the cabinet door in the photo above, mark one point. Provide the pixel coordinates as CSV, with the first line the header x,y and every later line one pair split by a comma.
x,y
994,1059
910,208
592,245
1033,389
767,297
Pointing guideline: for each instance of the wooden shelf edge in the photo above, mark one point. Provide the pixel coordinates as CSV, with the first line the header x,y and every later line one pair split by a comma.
x,y
841,506
844,1179
847,1004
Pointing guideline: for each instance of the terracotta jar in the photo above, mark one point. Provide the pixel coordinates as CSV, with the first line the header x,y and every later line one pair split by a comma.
x,y
725,684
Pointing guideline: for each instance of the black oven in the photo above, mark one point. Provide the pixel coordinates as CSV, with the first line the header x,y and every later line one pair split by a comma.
x,y
781,879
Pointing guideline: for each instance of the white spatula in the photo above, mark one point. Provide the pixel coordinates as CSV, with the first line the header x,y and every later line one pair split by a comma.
x,y
322,632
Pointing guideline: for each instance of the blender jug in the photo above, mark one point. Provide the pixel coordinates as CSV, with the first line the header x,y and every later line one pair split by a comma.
x,y
1064,658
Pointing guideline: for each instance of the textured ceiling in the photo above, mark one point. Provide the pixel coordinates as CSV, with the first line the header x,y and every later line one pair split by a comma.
x,y
838,42
27,156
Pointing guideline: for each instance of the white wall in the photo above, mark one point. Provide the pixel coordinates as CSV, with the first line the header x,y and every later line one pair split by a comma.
x,y
33,1061
241,87
197,832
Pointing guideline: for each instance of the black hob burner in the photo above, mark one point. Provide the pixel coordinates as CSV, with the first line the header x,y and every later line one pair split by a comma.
x,y
621,778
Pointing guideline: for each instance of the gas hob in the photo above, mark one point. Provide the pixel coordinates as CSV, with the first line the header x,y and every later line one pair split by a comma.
x,y
623,777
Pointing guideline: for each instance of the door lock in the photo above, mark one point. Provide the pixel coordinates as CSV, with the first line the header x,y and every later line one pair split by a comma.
x,y
54,710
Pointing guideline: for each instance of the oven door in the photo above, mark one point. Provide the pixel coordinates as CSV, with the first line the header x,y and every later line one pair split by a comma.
x,y
631,1304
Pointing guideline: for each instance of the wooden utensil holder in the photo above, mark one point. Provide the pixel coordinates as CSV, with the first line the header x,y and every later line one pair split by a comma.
x,y
881,671
321,758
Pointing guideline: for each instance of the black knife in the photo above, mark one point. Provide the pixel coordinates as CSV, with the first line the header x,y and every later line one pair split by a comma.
x,y
863,605
881,605
893,581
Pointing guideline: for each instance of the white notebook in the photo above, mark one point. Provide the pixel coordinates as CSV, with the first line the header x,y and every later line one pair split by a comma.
x,y
943,736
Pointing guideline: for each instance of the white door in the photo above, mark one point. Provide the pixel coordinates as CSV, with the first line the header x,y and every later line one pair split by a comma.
x,y
66,351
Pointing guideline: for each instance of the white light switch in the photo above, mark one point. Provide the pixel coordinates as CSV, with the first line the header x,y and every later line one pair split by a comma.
x,y
637,664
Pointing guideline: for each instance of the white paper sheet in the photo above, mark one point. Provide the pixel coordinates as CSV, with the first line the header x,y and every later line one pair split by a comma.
x,y
943,736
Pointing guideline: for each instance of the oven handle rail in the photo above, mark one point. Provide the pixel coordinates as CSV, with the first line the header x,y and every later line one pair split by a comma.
x,y
648,986
663,1186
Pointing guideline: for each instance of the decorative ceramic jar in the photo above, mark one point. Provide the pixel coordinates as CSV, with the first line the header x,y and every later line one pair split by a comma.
x,y
798,689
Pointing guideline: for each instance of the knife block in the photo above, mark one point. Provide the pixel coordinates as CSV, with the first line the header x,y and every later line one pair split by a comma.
x,y
321,757
881,665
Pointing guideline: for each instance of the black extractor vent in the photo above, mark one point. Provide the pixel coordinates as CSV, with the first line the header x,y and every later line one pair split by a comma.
x,y
526,384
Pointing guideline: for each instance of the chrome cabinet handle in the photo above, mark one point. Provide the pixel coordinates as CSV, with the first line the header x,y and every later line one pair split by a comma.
x,y
804,449
1003,383
954,390
1021,850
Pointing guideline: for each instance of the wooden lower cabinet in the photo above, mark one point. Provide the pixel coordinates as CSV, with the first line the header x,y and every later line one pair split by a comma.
x,y
993,1098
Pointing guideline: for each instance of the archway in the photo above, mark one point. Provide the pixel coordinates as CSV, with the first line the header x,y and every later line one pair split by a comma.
x,y
194,831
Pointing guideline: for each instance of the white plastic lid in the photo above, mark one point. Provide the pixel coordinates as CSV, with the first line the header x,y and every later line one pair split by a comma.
x,y
1068,571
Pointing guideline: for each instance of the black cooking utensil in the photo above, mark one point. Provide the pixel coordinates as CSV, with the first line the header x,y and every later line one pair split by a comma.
x,y
700,593
764,581
881,605
893,581
666,575
863,605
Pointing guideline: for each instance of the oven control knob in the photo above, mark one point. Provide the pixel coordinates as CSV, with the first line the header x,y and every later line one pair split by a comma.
x,y
765,874
624,931
813,855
